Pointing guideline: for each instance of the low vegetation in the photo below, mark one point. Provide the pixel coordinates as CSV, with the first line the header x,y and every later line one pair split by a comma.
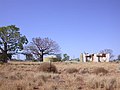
x,y
61,76
47,67
100,70
71,70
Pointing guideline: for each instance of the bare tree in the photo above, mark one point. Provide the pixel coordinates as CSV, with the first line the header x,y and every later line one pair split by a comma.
x,y
108,51
42,46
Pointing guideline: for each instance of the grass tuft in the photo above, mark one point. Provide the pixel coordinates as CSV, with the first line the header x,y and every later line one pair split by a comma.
x,y
47,67
71,70
100,70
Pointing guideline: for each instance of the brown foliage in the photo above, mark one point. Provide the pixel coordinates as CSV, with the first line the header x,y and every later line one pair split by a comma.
x,y
71,70
84,71
100,70
47,67
29,76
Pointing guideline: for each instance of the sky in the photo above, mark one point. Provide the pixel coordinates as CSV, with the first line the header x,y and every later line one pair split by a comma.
x,y
76,25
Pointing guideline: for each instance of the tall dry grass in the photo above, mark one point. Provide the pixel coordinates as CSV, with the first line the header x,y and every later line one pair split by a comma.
x,y
67,76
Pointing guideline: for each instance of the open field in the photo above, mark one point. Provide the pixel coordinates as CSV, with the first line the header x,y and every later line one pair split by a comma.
x,y
65,76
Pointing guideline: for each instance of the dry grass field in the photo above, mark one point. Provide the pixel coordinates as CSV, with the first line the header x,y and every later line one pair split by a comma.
x,y
61,76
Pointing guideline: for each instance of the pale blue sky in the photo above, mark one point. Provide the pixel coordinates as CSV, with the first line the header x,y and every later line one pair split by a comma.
x,y
76,25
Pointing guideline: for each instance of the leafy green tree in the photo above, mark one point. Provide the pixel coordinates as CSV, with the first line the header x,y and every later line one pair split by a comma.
x,y
11,40
65,57
42,46
118,57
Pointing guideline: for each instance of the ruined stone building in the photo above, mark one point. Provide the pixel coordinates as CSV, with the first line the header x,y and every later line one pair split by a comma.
x,y
85,57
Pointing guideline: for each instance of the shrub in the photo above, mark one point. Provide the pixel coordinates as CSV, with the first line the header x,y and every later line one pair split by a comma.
x,y
1,62
71,70
84,71
47,67
34,60
100,70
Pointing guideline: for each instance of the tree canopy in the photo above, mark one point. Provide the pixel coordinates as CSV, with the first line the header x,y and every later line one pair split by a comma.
x,y
11,40
65,57
118,57
42,46
108,51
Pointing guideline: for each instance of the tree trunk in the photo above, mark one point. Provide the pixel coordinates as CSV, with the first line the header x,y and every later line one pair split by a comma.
x,y
5,55
41,58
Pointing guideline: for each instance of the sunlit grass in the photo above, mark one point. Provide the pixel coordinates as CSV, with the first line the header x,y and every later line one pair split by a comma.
x,y
69,76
